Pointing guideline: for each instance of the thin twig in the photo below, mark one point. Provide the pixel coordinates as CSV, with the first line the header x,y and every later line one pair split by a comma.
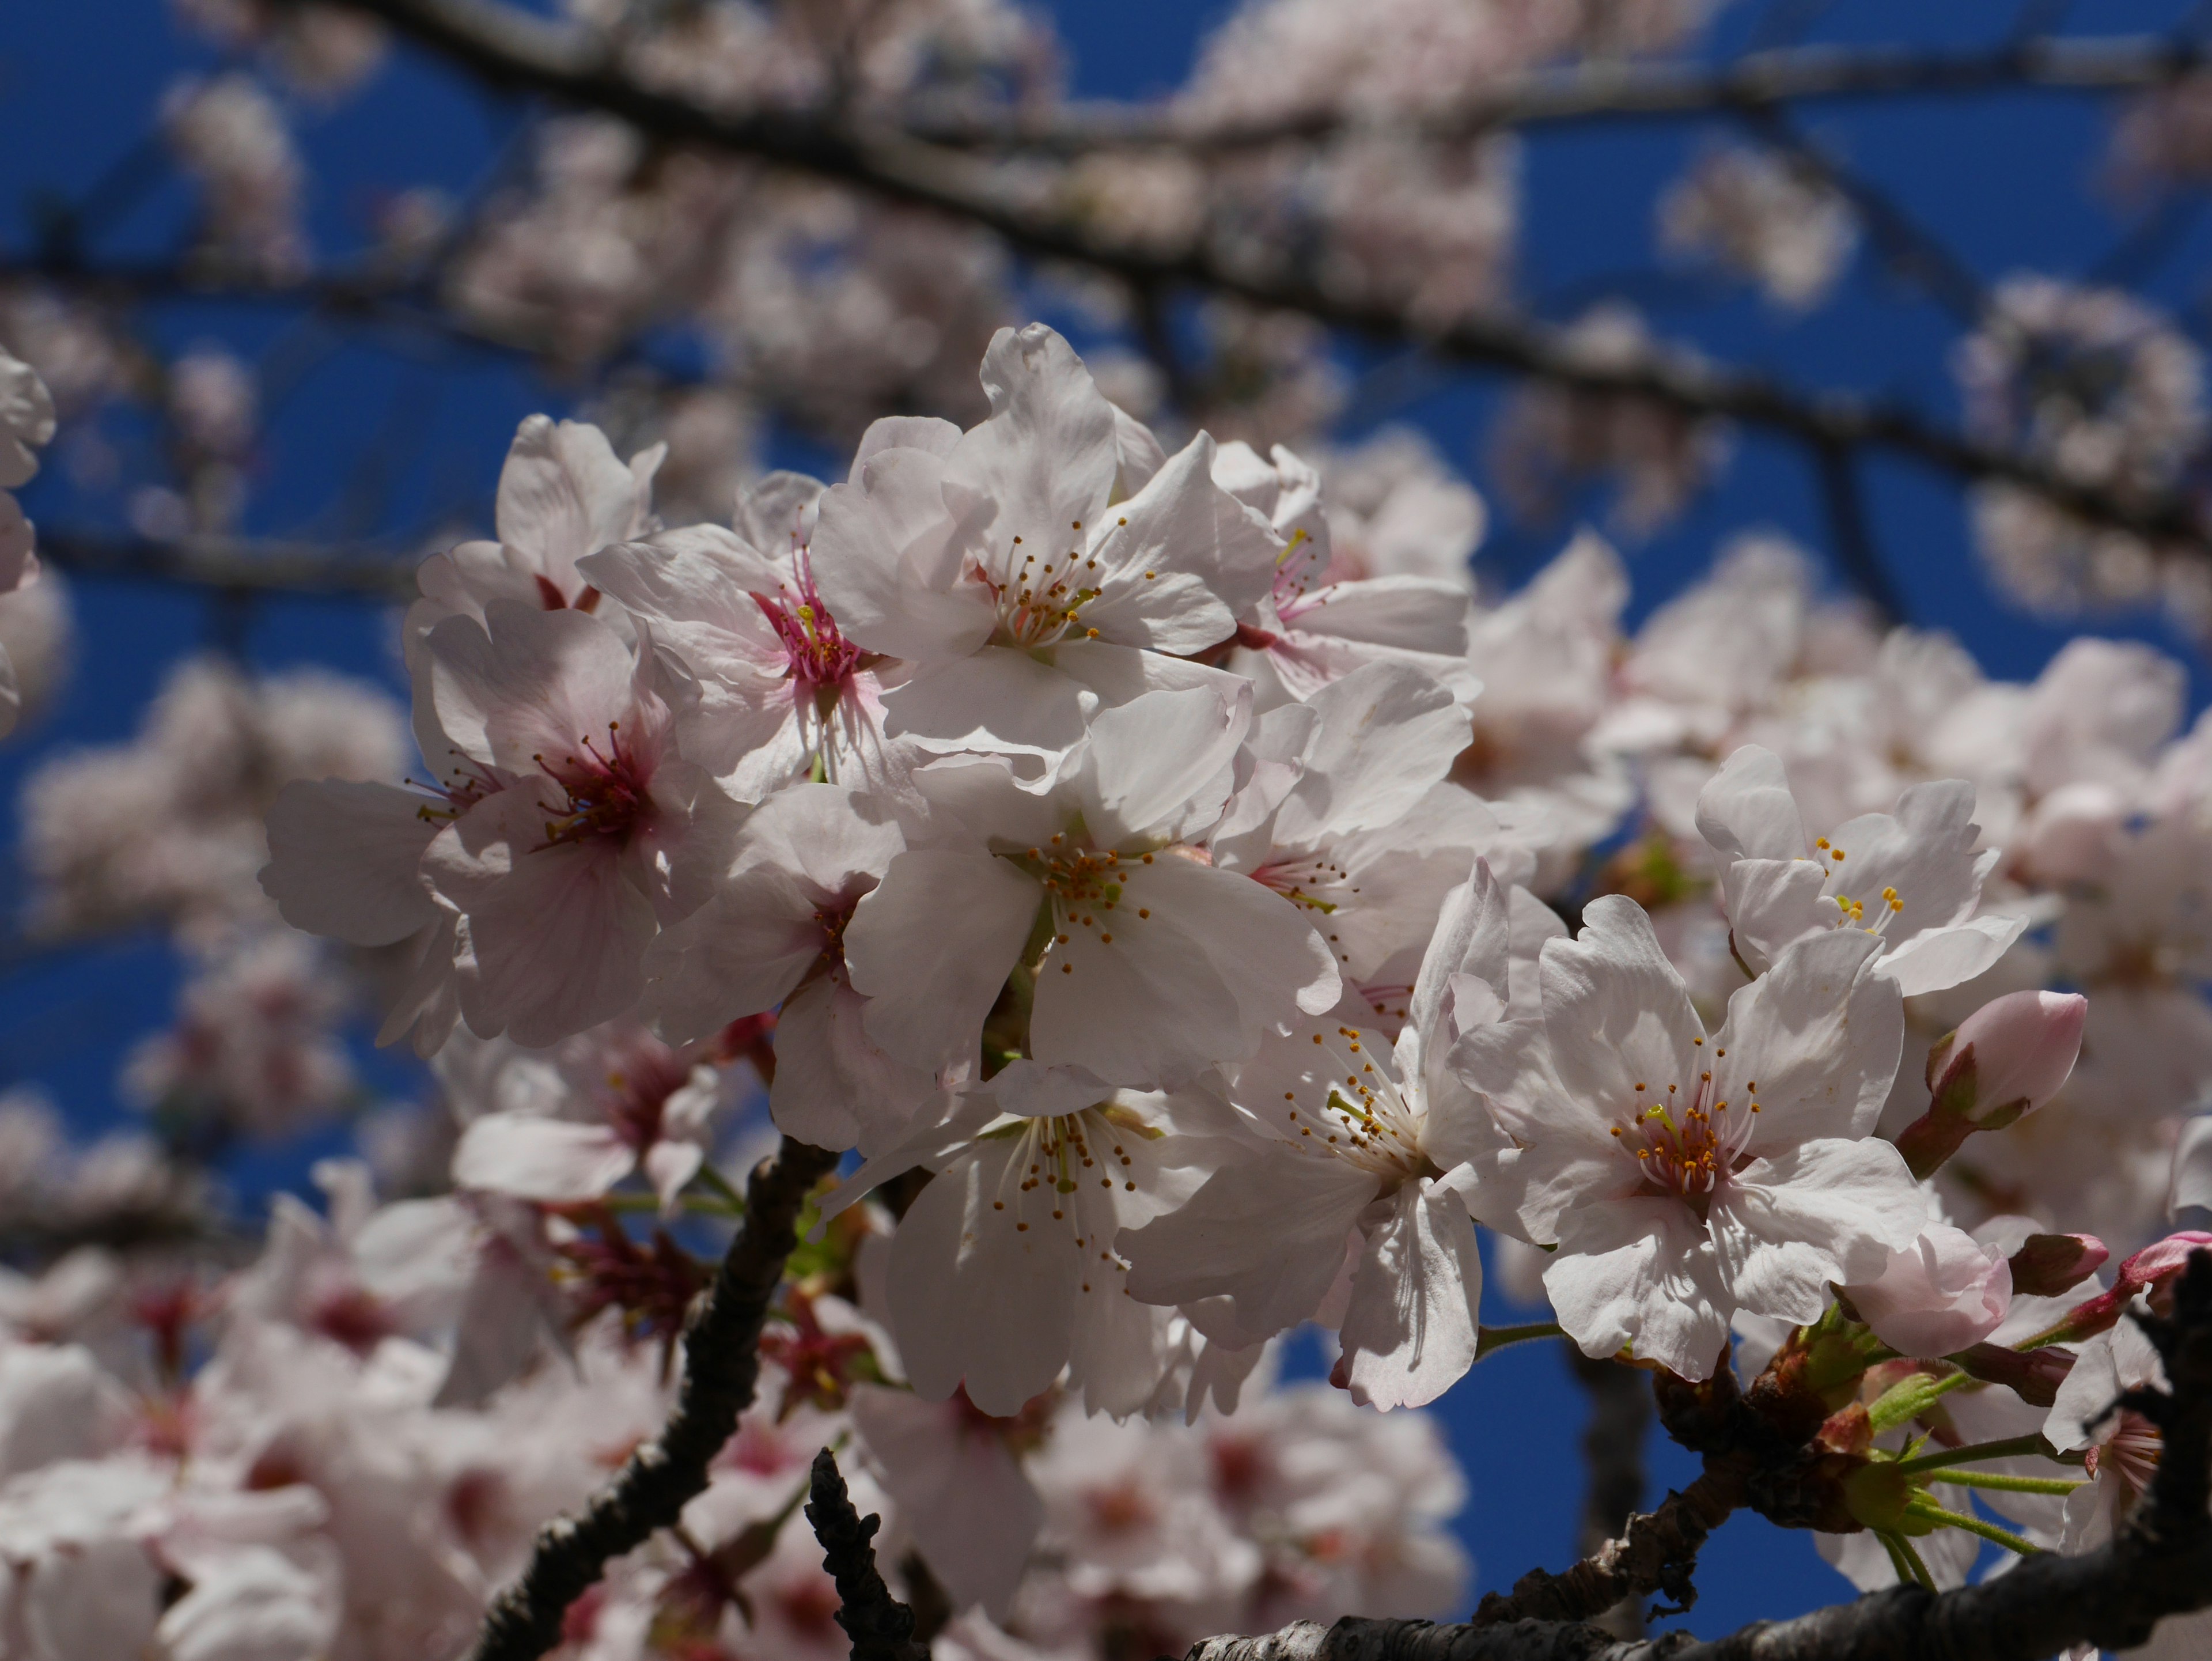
x,y
721,1367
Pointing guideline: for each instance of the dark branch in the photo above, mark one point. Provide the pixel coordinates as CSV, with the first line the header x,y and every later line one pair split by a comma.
x,y
510,49
2160,1565
1654,1553
880,1627
721,1367
1617,90
233,565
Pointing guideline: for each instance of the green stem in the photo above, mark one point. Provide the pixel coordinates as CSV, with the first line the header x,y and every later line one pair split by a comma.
x,y
1496,1338
716,1180
1990,1479
2010,1447
1955,1519
1908,1561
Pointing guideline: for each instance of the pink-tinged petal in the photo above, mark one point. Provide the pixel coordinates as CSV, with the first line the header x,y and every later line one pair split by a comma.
x,y
668,1166
978,1298
552,1161
973,1514
1043,466
1220,962
1409,1332
1938,1295
346,860
1641,1273
529,689
1786,1225
1747,812
563,493
1940,959
1404,613
739,954
557,932
1158,762
886,560
835,1087
1615,1010
1818,1036
1176,563
998,701
932,945
1266,1234
99,1597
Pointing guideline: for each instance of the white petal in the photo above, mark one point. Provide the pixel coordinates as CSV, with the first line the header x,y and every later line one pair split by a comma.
x,y
1410,1331
552,1161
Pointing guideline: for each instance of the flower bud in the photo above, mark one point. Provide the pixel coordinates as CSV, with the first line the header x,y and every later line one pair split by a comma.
x,y
2033,1375
2005,1060
2152,1270
2048,1264
1941,1293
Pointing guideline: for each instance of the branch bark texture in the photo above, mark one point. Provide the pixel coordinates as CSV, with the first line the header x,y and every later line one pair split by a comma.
x,y
2160,1565
722,1368
880,1627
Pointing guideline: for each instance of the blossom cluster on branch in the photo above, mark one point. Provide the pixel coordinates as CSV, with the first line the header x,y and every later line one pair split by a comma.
x,y
1137,907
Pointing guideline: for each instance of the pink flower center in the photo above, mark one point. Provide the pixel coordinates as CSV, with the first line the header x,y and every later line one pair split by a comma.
x,y
817,655
608,794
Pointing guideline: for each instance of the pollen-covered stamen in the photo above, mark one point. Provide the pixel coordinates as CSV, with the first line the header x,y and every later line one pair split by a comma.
x,y
469,783
1312,881
816,654
1064,1174
1684,1141
1297,567
1086,891
1041,597
608,793
1353,1108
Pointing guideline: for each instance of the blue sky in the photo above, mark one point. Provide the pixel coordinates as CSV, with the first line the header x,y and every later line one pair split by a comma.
x,y
2011,181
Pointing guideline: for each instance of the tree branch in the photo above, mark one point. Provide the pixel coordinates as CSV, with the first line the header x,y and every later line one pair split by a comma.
x,y
1655,1552
880,1627
233,565
2160,1565
1627,90
511,49
721,1367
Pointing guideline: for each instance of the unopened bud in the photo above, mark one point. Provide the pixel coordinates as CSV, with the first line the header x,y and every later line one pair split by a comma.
x,y
2048,1264
2033,1375
2005,1060
2152,1270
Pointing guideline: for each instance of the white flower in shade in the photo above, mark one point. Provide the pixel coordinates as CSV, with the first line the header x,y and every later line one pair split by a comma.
x,y
562,494
566,874
772,936
1366,838
345,860
1000,563
1359,1173
1150,964
782,695
630,1103
1911,880
1683,1175
959,1487
1314,624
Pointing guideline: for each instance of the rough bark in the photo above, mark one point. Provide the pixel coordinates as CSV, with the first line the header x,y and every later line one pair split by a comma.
x,y
722,1368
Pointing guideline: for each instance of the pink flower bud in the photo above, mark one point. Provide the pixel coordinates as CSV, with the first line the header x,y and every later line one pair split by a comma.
x,y
2033,1375
2048,1264
2006,1059
2152,1270
1941,1293
2009,1057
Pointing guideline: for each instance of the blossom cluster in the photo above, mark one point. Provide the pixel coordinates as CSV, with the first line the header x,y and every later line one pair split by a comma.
x,y
1199,915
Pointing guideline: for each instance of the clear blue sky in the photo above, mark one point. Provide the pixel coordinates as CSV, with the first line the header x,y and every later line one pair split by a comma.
x,y
2009,181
